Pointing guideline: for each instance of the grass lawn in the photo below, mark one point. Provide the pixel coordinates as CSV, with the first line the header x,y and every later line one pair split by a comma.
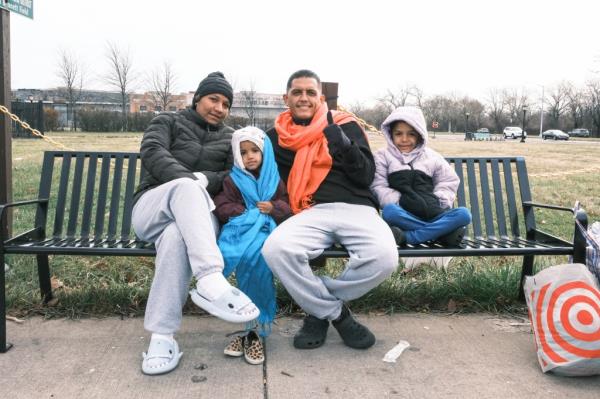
x,y
560,174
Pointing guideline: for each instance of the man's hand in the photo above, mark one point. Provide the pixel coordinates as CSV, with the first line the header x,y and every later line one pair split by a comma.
x,y
265,207
336,138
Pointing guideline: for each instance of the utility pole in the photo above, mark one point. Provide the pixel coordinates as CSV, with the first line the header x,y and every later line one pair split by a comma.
x,y
542,113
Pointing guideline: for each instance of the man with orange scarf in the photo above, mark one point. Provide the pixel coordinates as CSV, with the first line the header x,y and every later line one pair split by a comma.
x,y
325,160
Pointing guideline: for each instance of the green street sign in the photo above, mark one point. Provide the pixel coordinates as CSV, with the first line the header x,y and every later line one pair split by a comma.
x,y
23,7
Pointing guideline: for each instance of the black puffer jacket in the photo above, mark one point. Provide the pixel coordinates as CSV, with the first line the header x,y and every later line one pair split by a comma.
x,y
176,145
417,193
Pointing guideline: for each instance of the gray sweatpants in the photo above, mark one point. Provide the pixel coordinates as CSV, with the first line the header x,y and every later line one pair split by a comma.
x,y
359,228
177,217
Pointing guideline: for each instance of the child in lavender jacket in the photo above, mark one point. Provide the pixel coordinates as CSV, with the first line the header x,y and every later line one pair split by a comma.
x,y
415,185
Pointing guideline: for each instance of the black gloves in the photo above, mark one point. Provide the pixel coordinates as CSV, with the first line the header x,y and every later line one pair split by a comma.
x,y
417,193
336,138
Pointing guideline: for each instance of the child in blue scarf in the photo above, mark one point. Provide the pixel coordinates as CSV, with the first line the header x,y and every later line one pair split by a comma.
x,y
253,201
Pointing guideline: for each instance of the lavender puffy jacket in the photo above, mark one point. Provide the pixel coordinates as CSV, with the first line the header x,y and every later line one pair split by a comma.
x,y
423,158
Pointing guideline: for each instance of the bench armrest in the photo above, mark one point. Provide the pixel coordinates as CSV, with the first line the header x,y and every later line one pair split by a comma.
x,y
580,216
21,203
43,202
555,207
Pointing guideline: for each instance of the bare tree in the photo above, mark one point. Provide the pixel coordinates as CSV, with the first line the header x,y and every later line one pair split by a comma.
x,y
373,116
593,102
475,109
575,103
392,100
250,103
120,75
418,95
162,84
558,103
433,108
515,101
496,108
71,75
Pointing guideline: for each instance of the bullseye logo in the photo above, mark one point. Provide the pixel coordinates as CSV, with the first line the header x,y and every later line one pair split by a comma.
x,y
566,320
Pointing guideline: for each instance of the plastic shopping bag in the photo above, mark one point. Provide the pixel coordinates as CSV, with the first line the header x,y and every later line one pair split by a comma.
x,y
564,308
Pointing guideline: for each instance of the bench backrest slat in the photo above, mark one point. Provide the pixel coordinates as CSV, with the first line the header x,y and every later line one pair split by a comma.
x,y
485,195
473,197
525,194
88,201
61,199
115,199
497,183
102,193
45,186
128,205
509,192
75,196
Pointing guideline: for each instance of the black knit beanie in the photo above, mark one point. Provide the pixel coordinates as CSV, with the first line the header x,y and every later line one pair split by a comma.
x,y
215,82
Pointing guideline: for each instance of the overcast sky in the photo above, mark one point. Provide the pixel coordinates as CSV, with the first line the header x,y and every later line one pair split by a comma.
x,y
367,46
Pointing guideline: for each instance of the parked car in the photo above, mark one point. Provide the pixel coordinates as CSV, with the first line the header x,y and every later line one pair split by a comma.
x,y
555,134
513,132
579,133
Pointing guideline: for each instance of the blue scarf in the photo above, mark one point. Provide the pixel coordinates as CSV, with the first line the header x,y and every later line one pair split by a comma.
x,y
242,238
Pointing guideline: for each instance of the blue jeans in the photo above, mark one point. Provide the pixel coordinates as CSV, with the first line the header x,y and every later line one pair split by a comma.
x,y
418,231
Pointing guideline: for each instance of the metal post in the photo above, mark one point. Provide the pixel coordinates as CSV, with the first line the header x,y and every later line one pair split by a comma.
x,y
542,113
523,132
5,160
467,135
330,91
5,135
31,112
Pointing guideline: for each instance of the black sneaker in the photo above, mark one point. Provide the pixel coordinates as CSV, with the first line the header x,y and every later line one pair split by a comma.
x,y
399,236
312,334
454,238
354,334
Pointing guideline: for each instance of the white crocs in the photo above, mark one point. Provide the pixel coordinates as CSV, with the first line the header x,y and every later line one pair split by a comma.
x,y
162,356
233,306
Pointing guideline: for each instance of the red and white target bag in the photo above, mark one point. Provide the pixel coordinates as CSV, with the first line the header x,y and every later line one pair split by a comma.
x,y
564,308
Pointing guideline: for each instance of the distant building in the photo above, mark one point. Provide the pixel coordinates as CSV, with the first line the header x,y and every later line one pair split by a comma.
x,y
147,102
57,99
249,107
248,104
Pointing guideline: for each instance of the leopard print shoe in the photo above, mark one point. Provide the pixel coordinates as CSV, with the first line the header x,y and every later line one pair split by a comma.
x,y
253,349
235,347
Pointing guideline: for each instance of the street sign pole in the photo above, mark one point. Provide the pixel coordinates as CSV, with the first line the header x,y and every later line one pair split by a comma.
x,y
23,7
5,135
5,158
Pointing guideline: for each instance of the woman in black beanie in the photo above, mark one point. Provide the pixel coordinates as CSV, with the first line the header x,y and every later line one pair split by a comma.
x,y
185,157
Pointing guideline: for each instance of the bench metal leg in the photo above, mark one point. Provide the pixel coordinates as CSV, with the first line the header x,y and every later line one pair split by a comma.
x,y
44,277
526,270
4,346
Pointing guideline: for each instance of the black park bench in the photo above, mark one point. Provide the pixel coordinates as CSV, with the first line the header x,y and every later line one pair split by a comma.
x,y
85,201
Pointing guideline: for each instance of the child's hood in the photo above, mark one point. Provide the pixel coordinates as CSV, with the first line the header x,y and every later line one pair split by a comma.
x,y
411,115
248,133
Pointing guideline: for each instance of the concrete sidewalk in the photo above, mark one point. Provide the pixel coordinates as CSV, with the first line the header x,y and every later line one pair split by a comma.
x,y
451,356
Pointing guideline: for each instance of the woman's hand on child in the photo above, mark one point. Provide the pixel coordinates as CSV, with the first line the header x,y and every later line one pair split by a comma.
x,y
265,206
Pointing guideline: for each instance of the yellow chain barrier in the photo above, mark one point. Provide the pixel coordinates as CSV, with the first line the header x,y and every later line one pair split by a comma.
x,y
362,122
33,131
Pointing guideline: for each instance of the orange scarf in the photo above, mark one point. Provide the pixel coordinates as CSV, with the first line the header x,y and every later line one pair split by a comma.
x,y
312,162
